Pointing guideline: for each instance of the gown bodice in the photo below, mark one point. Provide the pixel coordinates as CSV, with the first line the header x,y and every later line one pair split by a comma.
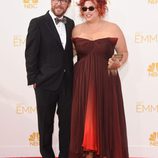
x,y
103,47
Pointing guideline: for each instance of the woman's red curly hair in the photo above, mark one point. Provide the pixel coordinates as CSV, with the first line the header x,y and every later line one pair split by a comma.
x,y
101,6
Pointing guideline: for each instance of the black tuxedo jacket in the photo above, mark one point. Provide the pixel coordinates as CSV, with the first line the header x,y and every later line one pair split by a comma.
x,y
46,60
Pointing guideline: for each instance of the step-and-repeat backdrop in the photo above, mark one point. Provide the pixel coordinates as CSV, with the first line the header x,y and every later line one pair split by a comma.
x,y
18,121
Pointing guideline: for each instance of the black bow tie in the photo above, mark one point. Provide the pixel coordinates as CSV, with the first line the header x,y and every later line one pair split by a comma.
x,y
63,20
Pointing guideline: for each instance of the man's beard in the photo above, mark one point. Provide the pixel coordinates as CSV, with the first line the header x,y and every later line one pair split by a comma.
x,y
58,15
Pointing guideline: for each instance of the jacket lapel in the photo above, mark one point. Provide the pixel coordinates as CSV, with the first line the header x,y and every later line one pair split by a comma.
x,y
52,28
68,35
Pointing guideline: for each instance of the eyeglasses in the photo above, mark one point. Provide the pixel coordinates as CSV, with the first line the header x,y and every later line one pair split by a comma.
x,y
91,8
61,1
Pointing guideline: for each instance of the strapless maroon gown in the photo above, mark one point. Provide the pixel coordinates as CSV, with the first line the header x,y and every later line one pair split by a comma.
x,y
98,119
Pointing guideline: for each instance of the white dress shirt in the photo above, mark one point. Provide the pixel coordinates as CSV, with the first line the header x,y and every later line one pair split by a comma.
x,y
60,28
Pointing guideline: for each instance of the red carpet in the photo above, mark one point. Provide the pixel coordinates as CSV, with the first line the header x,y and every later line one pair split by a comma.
x,y
56,157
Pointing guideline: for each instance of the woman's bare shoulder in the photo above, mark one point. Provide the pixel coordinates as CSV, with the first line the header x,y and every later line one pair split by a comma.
x,y
77,30
113,27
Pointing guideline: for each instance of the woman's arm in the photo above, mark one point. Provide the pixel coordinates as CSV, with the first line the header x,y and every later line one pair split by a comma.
x,y
121,56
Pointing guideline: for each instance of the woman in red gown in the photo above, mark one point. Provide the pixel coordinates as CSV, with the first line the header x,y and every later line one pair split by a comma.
x,y
98,127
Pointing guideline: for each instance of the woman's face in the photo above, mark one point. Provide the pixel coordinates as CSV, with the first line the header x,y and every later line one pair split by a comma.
x,y
89,11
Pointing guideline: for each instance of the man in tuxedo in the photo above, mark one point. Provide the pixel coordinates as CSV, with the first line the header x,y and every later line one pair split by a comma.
x,y
49,66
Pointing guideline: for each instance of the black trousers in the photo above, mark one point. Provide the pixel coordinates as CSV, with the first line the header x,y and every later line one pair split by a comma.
x,y
47,103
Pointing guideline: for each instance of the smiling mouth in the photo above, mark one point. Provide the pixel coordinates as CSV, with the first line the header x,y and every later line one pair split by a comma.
x,y
88,16
59,8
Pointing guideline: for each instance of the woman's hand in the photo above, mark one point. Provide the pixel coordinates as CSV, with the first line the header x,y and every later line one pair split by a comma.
x,y
115,62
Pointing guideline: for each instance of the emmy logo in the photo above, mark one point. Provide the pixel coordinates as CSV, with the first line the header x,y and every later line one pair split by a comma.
x,y
153,69
34,139
154,139
153,1
142,108
30,3
25,109
145,38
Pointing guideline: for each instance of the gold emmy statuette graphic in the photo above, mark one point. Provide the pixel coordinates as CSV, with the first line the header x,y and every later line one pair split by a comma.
x,y
157,67
34,1
153,136
26,1
30,1
34,139
151,67
154,139
153,1
30,4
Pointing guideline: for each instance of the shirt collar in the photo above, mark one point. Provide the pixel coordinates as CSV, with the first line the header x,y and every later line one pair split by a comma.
x,y
54,16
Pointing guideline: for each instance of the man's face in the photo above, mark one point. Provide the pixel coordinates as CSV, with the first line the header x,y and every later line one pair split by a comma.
x,y
59,7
